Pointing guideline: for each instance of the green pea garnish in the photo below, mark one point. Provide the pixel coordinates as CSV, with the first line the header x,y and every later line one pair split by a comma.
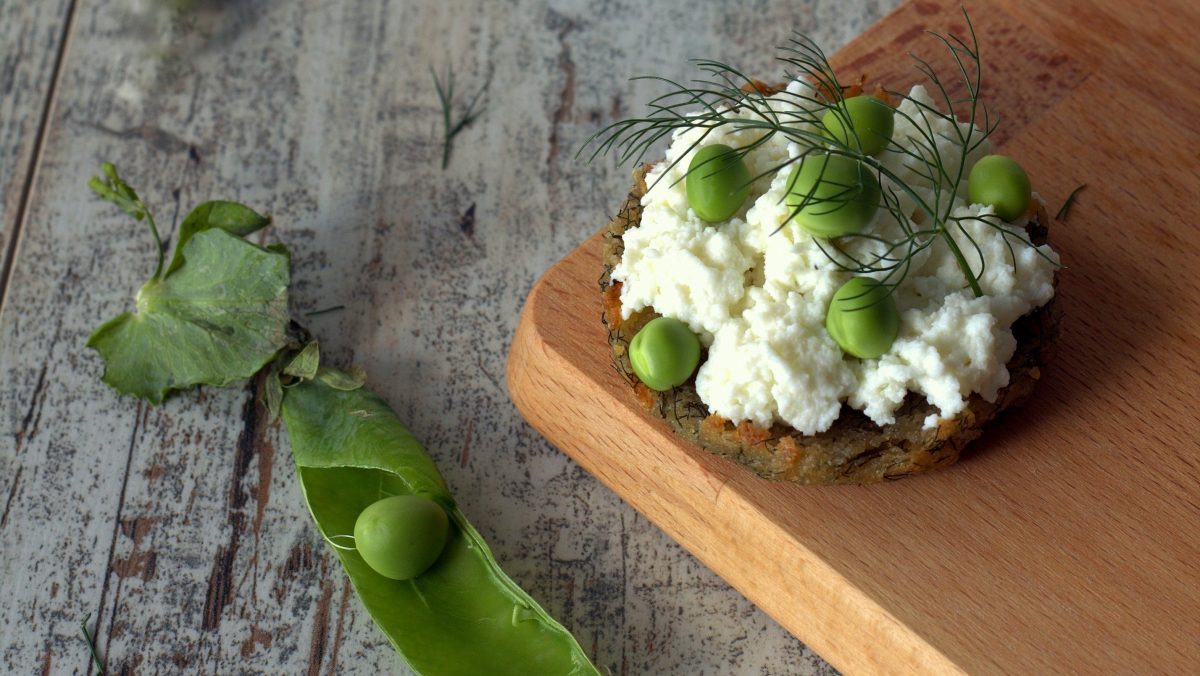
x,y
836,195
717,182
863,318
401,536
664,353
1001,182
870,127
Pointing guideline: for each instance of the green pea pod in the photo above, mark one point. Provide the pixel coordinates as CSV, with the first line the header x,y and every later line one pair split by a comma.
x,y
461,616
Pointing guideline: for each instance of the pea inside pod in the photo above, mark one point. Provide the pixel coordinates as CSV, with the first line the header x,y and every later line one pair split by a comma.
x,y
835,195
401,536
717,182
862,318
462,614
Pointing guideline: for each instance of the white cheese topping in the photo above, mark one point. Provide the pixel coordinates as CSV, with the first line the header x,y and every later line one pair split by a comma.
x,y
756,288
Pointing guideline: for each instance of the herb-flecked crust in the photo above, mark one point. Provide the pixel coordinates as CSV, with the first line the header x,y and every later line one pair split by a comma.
x,y
854,450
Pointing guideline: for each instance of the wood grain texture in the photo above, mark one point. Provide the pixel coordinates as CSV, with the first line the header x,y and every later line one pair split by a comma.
x,y
1068,540
32,41
181,528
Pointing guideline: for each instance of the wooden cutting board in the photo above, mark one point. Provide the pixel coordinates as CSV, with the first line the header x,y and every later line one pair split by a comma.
x,y
1069,540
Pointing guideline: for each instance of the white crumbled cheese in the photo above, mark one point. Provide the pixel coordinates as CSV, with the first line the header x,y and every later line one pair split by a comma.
x,y
756,287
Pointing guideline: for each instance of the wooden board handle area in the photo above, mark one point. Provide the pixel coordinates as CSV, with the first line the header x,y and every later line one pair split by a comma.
x,y
1068,540
590,415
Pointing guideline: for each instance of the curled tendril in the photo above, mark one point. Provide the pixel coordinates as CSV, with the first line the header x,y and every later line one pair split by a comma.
x,y
337,540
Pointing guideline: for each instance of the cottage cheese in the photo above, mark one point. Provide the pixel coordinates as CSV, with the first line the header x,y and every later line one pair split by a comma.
x,y
756,287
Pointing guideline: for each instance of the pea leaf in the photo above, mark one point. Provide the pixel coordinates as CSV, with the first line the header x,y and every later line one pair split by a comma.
x,y
350,379
234,218
463,615
304,365
272,393
220,317
217,314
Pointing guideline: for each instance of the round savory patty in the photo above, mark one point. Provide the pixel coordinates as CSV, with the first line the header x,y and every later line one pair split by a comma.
x,y
855,449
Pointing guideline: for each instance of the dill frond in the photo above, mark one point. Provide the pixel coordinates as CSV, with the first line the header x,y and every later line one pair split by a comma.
x,y
475,107
940,159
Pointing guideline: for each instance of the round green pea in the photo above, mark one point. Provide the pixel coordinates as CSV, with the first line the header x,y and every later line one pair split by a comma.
x,y
717,182
839,195
1001,182
871,123
863,318
664,353
401,536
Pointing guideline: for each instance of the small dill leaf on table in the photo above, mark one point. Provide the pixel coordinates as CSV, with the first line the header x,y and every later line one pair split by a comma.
x,y
1065,209
90,638
474,108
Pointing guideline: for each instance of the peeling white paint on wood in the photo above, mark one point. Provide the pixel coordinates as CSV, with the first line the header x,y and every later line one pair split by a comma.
x,y
181,528
31,40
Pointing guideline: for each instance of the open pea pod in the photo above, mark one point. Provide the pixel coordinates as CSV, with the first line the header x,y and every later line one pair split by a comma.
x,y
461,616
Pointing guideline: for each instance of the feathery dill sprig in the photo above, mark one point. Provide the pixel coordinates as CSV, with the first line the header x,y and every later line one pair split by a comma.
x,y
940,159
474,108
90,639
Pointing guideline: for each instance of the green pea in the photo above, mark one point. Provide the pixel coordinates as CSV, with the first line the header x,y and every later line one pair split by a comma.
x,y
871,121
1001,182
717,182
838,195
400,537
863,318
664,353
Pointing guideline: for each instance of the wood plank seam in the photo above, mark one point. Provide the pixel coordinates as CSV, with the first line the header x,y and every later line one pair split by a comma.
x,y
112,547
35,160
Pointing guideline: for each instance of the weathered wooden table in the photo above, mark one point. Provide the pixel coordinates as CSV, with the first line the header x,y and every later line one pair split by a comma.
x,y
180,529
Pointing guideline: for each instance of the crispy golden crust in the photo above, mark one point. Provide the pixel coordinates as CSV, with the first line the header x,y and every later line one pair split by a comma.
x,y
854,450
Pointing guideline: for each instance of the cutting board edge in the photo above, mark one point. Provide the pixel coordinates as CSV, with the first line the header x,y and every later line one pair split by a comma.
x,y
840,622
